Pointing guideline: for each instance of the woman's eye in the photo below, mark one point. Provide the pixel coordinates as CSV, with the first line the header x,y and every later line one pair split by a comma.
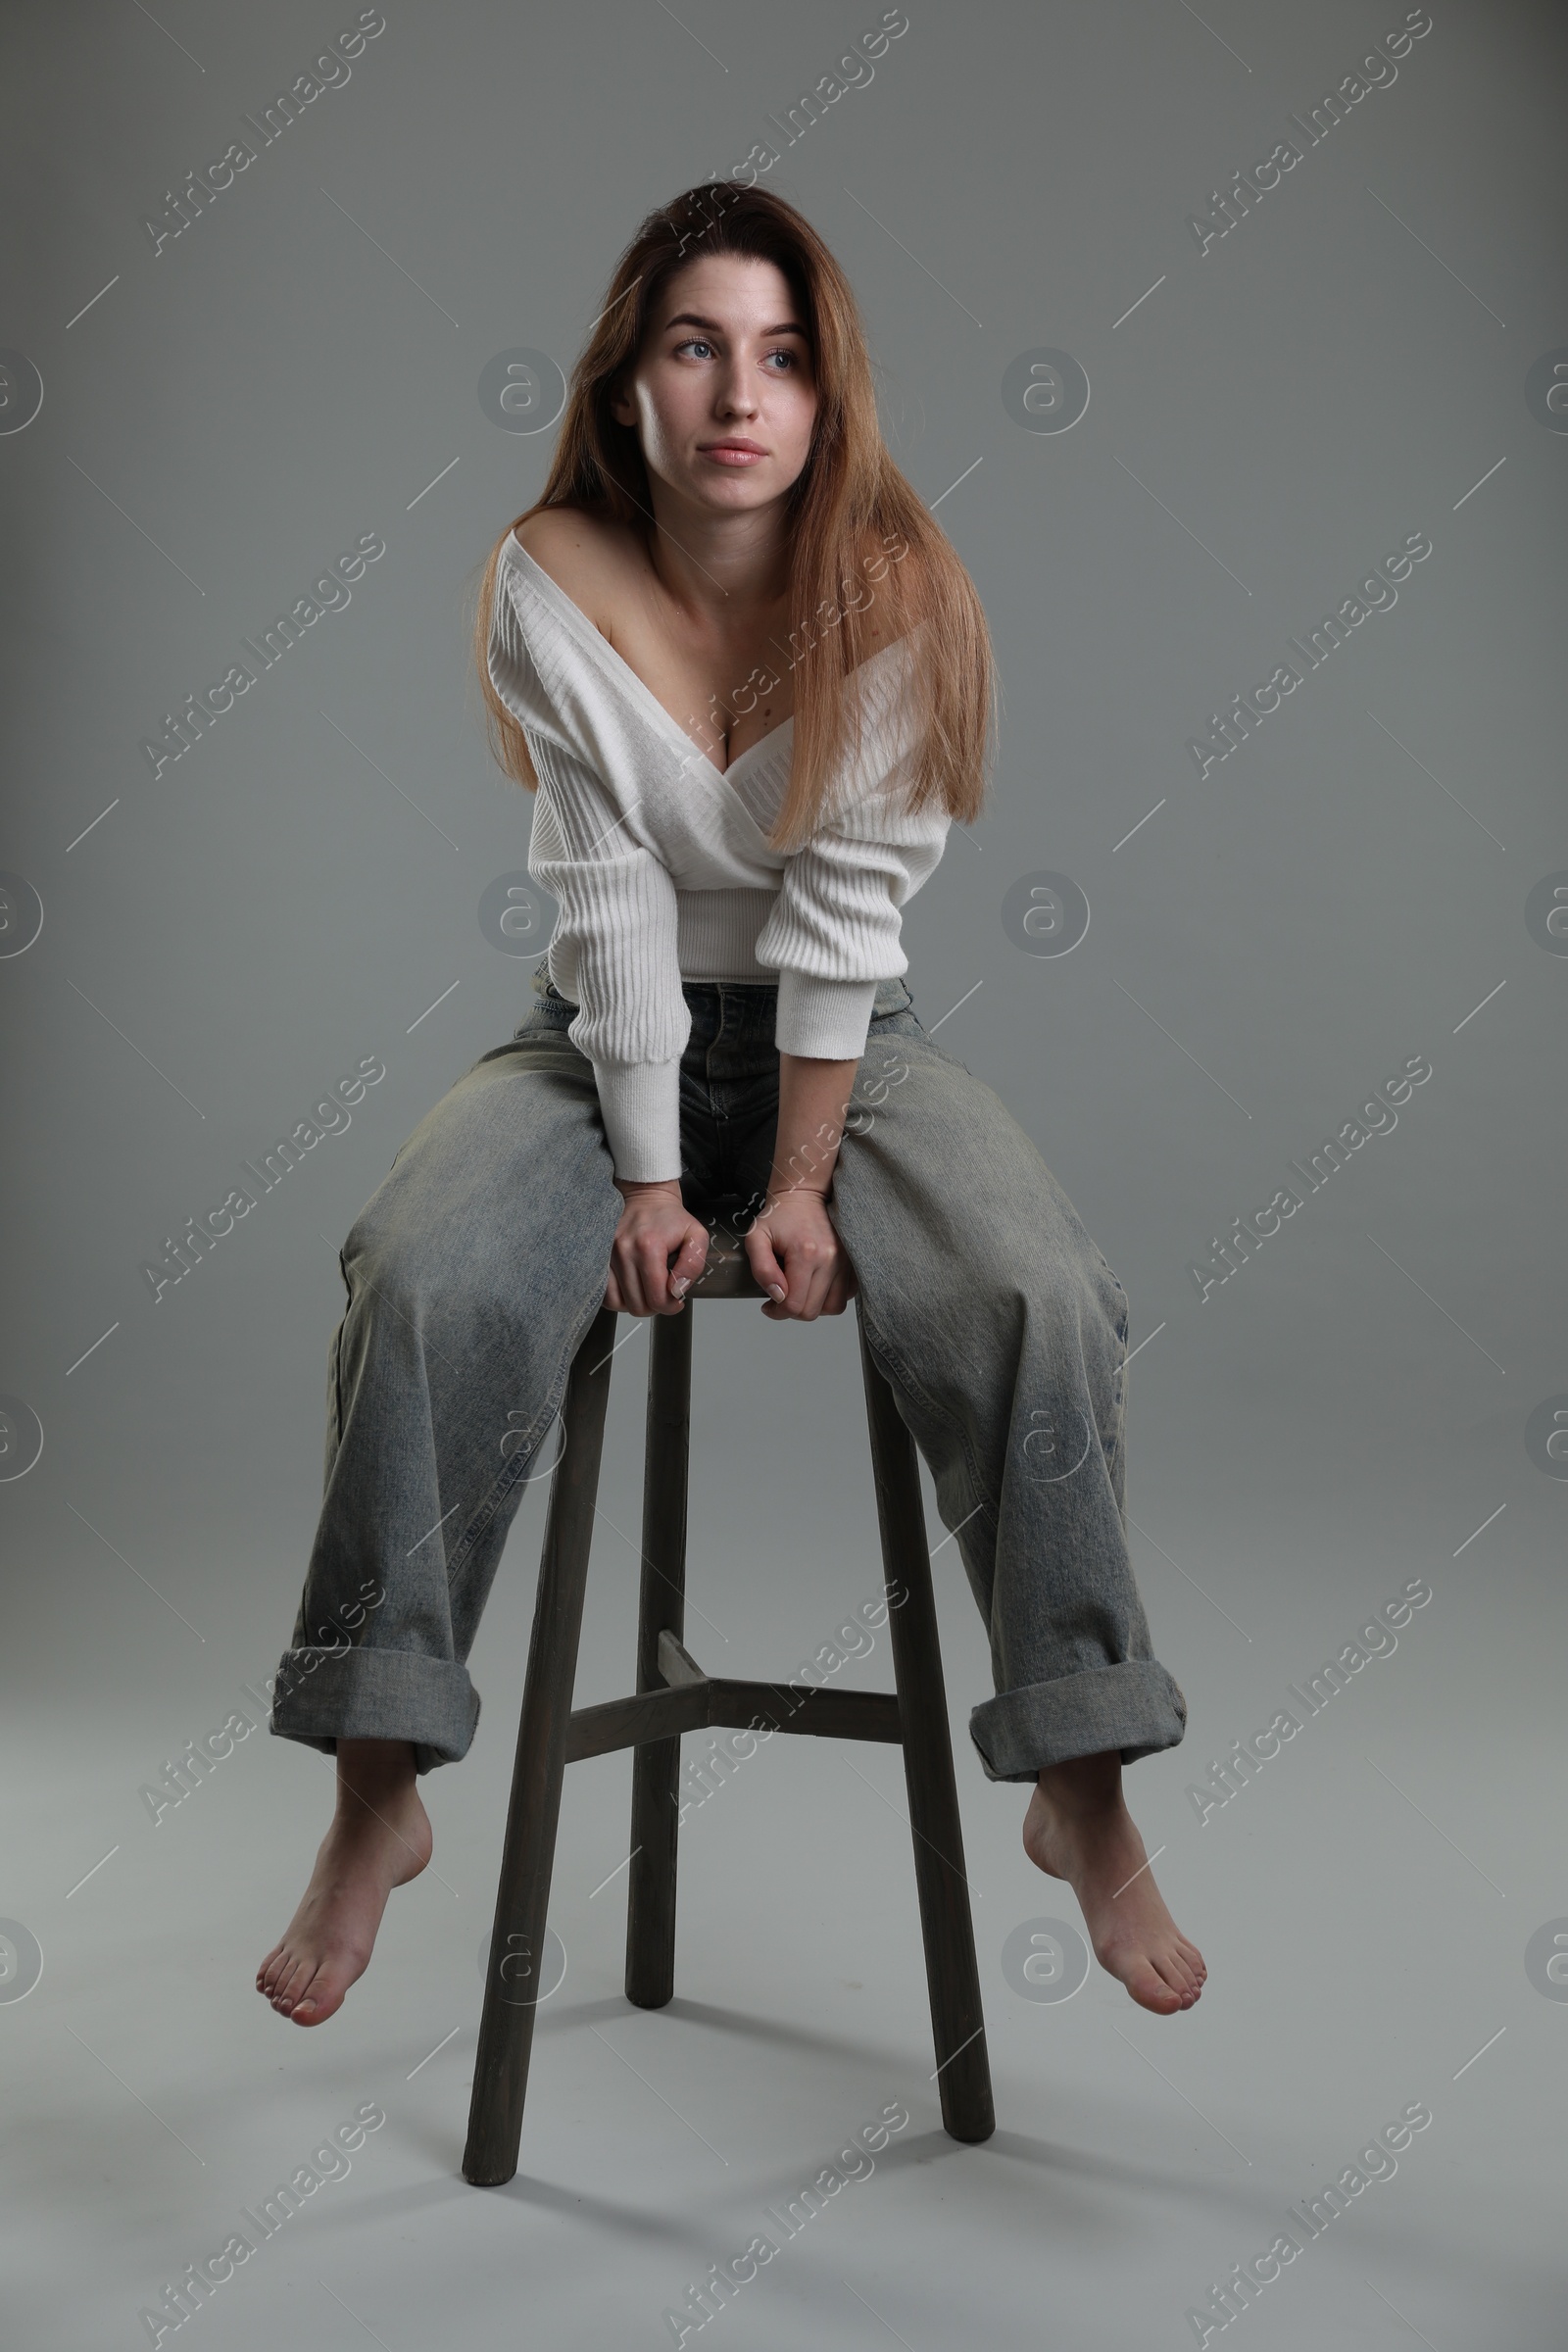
x,y
701,343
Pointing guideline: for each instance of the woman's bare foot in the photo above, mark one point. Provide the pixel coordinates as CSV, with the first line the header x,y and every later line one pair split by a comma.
x,y
379,1838
1078,1828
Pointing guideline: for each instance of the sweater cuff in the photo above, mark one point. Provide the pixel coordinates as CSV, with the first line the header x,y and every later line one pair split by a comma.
x,y
640,1104
825,1018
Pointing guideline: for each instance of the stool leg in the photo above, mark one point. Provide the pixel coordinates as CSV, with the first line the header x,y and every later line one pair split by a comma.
x,y
656,1768
958,2021
516,1943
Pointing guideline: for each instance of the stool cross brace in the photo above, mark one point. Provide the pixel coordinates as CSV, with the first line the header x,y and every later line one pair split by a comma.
x,y
674,1695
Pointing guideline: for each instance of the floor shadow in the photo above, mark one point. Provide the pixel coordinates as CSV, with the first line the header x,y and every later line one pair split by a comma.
x,y
633,2222
1056,2156
764,2031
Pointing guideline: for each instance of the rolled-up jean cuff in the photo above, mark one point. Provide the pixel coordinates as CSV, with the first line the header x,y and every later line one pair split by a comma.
x,y
325,1696
1135,1706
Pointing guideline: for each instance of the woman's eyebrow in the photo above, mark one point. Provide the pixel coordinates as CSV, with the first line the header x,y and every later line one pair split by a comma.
x,y
712,326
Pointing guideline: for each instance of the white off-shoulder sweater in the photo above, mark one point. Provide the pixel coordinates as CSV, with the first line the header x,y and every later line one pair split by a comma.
x,y
660,865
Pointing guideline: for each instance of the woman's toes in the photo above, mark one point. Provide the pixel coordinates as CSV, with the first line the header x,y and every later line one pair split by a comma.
x,y
1177,1975
291,1979
1149,1990
319,2001
1160,1998
304,1994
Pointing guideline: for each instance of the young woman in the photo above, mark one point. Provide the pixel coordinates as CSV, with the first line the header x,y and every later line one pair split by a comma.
x,y
750,685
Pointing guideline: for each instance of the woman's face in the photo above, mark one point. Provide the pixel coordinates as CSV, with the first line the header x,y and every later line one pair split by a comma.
x,y
726,359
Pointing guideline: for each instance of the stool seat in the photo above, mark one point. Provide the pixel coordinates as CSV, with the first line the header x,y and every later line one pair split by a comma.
x,y
727,1274
674,1695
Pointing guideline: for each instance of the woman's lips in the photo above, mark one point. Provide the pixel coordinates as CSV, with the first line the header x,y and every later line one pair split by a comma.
x,y
727,454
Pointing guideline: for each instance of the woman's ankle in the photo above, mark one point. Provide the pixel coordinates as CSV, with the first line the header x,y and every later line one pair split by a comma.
x,y
373,1773
1083,1785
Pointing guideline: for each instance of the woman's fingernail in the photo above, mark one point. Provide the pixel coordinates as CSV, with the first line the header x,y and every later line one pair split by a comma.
x,y
775,1290
680,1285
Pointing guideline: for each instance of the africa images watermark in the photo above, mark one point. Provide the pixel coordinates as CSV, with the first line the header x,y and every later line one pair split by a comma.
x,y
854,71
853,1639
199,2281
820,1148
199,1758
331,71
855,2161
1229,728
329,1116
182,730
1377,1638
1230,205
1375,1117
764,678
1306,2221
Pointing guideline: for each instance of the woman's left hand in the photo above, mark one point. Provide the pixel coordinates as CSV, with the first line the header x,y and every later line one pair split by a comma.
x,y
795,1251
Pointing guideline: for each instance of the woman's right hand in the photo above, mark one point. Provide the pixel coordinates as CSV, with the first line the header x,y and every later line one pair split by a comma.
x,y
655,1228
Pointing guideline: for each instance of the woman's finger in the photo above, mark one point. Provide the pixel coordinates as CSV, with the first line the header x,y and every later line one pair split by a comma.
x,y
690,1260
842,1285
631,1289
843,1290
808,1276
648,1255
766,1265
820,1292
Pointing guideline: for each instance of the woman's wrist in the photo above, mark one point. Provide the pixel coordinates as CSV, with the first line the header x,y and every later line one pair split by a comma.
x,y
782,1182
813,1102
628,1186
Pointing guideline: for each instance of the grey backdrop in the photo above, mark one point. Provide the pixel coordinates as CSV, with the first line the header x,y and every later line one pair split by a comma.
x,y
1275,404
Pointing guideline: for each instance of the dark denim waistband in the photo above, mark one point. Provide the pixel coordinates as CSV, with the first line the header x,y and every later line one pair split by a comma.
x,y
752,1003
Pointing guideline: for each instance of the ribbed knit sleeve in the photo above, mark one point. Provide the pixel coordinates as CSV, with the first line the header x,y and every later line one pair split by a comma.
x,y
835,930
616,933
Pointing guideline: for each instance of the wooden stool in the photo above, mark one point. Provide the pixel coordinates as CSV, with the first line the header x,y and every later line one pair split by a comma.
x,y
674,1695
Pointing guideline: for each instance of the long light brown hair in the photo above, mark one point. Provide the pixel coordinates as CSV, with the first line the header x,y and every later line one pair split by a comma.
x,y
858,533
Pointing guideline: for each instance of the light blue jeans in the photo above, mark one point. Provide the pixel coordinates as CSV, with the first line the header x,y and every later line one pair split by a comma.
x,y
477,1265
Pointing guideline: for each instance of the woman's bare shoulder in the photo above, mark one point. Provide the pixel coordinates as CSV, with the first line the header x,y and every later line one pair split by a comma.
x,y
588,555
